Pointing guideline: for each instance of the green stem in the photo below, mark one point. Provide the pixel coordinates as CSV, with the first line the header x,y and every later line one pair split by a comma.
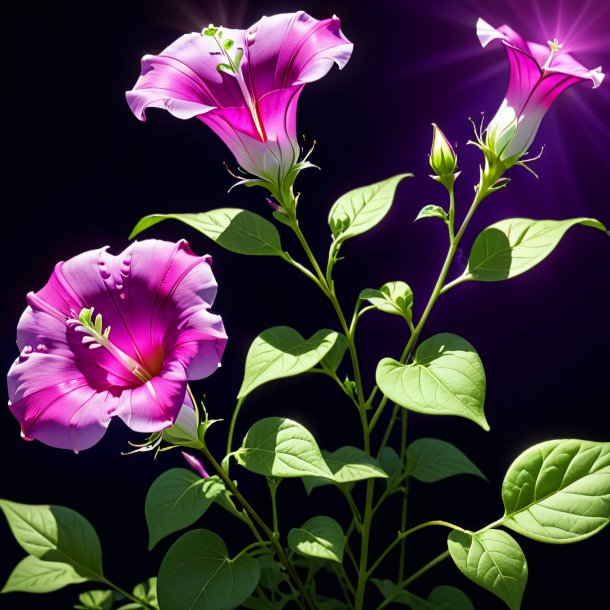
x,y
405,583
264,527
404,535
403,511
273,485
127,595
234,417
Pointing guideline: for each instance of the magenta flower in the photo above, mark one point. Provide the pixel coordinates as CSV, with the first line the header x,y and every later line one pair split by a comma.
x,y
538,74
245,84
114,336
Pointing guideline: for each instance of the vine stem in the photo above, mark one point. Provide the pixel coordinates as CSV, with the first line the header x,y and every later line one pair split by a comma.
x,y
264,527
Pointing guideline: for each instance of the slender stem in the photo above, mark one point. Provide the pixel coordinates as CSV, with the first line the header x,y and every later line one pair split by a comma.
x,y
234,417
348,552
127,595
403,511
268,532
273,485
405,535
355,512
405,583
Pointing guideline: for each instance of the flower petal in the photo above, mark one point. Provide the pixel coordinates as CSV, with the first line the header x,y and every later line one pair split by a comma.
x,y
55,404
293,49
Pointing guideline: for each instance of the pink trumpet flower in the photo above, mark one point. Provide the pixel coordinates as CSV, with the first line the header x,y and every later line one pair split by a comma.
x,y
245,84
538,74
114,336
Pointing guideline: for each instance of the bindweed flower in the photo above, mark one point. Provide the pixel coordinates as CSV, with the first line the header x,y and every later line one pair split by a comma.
x,y
443,159
538,74
114,336
245,85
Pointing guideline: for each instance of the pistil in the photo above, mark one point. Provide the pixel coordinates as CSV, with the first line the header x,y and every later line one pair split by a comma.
x,y
96,336
554,47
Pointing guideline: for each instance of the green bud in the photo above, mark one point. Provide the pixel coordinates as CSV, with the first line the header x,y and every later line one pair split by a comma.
x,y
443,159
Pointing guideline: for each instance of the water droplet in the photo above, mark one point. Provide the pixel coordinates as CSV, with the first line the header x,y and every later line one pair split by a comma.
x,y
41,347
27,349
119,286
122,296
105,274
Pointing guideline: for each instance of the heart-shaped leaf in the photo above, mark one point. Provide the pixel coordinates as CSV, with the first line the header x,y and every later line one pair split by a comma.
x,y
320,537
282,352
236,230
515,245
559,491
95,600
280,447
431,460
492,559
197,573
446,378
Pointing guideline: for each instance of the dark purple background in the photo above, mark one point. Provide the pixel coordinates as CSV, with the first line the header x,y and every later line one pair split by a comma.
x,y
81,170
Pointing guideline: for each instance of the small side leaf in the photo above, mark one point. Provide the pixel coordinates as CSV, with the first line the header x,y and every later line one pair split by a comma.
x,y
282,352
95,600
559,491
320,537
446,378
492,559
431,460
236,230
393,297
432,211
280,447
513,246
361,209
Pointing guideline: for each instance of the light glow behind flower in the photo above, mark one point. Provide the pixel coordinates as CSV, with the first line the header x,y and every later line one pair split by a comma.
x,y
114,336
245,84
538,75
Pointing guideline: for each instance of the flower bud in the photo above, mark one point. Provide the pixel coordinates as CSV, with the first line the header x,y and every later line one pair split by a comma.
x,y
443,159
184,431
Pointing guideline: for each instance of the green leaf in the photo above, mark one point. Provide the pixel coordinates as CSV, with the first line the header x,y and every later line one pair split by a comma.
x,y
95,600
449,598
446,378
280,447
361,209
174,501
320,537
393,297
197,573
493,560
432,211
147,591
56,533
389,590
515,245
33,575
236,230
348,465
559,491
431,460
389,461
335,356
282,352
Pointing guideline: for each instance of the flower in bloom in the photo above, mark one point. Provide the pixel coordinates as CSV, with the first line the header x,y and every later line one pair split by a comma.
x,y
245,84
114,336
538,74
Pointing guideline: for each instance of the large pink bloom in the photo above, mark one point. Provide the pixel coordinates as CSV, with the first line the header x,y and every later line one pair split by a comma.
x,y
538,74
245,85
155,333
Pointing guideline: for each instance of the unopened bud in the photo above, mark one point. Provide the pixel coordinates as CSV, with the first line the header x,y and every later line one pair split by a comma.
x,y
443,159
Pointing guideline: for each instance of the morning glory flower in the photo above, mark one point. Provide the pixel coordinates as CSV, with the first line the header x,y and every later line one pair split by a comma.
x,y
114,336
245,84
538,74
